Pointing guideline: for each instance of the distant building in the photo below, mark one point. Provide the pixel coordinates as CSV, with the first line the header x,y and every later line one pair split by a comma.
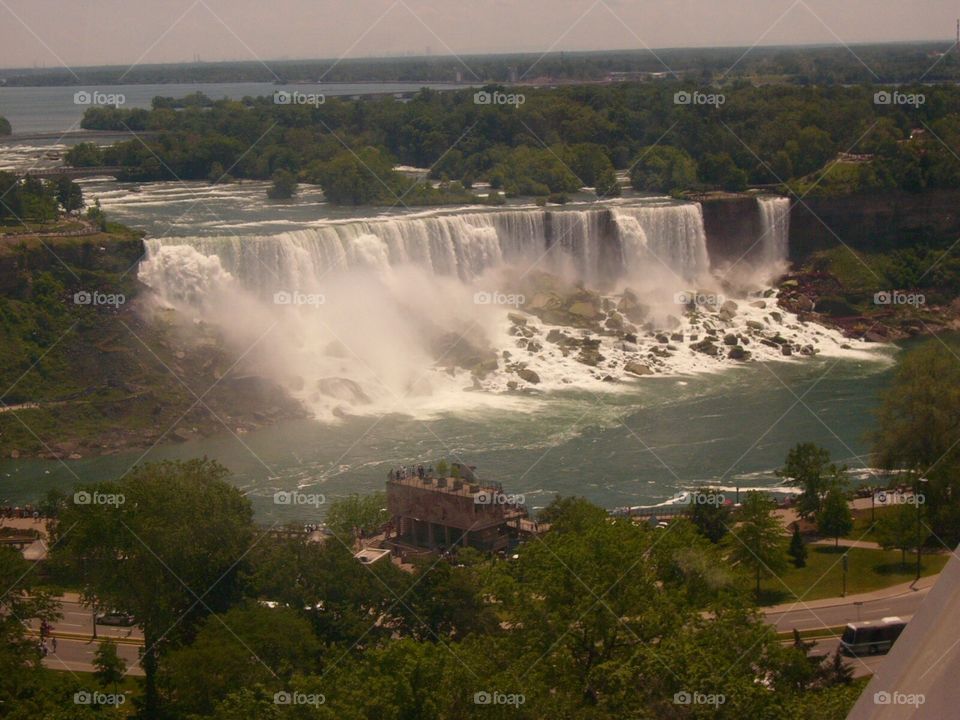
x,y
444,512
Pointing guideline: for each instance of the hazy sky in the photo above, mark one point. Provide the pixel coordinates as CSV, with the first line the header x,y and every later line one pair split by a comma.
x,y
126,32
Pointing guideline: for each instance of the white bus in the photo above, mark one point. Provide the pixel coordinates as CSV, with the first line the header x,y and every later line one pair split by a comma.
x,y
872,636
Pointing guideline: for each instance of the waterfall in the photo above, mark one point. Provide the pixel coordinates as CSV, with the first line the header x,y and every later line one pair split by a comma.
x,y
775,229
598,245
368,312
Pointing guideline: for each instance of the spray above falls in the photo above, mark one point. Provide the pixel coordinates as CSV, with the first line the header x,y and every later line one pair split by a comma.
x,y
406,311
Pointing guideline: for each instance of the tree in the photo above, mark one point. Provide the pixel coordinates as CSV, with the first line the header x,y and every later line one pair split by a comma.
x,y
797,549
164,544
608,186
712,519
756,542
110,667
5,128
367,513
834,519
663,169
897,529
69,195
917,430
284,185
247,646
808,467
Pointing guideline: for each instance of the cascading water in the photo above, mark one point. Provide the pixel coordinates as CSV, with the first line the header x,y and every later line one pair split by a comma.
x,y
352,310
775,224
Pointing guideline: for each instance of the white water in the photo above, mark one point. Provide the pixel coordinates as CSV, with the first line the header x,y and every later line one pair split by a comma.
x,y
373,298
775,219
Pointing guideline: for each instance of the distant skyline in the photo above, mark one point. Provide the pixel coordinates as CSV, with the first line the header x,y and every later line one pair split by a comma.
x,y
53,33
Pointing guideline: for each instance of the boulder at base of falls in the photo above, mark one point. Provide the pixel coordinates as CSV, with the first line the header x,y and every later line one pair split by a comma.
x,y
755,325
738,353
706,347
636,368
590,356
726,312
343,389
529,375
517,318
632,308
730,339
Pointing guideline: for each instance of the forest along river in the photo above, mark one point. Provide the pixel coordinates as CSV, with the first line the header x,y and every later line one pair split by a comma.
x,y
633,442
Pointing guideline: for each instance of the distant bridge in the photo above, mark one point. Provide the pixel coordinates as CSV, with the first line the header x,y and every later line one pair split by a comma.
x,y
79,172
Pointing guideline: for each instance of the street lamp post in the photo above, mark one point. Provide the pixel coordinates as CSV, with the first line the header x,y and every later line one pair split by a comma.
x,y
916,501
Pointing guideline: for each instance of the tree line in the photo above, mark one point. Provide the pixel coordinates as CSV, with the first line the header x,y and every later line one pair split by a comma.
x,y
556,142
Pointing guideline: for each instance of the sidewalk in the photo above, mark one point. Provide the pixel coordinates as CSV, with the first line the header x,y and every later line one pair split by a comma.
x,y
921,586
864,544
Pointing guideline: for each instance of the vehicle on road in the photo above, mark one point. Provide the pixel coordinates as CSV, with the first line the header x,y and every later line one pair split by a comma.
x,y
871,636
115,617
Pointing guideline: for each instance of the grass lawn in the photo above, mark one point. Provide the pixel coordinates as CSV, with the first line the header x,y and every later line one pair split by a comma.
x,y
823,575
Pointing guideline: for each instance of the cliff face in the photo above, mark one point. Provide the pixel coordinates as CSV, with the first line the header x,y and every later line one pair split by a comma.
x,y
732,225
21,259
872,222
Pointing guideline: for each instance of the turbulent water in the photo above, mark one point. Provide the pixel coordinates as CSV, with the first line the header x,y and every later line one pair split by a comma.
x,y
362,361
347,315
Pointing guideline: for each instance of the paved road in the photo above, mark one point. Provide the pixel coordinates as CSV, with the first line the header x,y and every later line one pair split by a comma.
x,y
78,620
803,618
77,655
861,666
